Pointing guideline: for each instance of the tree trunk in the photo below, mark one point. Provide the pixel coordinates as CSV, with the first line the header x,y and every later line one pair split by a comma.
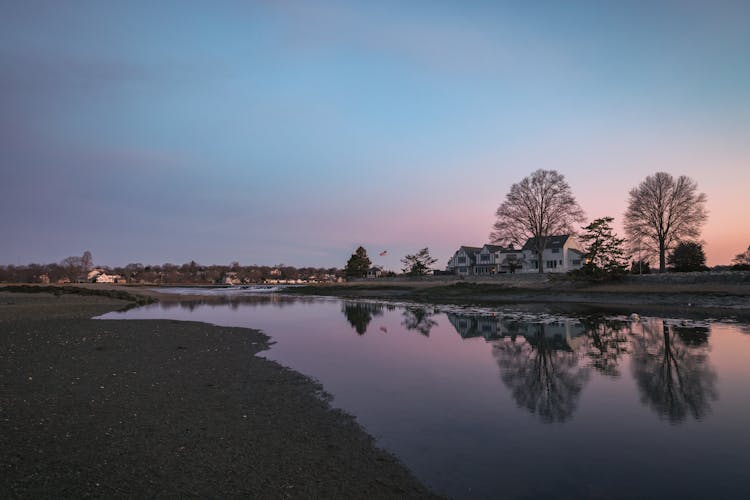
x,y
662,257
539,260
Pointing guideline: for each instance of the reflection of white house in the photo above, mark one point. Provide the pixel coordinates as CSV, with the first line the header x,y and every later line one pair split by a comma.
x,y
568,334
561,254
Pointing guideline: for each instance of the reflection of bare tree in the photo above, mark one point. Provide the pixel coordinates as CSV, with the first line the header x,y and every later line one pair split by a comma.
x,y
359,314
419,319
542,372
606,342
672,371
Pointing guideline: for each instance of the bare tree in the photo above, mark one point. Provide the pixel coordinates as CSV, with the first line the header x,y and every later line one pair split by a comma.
x,y
87,261
663,211
540,206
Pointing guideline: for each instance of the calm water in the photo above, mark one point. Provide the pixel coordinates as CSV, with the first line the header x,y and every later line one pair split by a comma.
x,y
482,403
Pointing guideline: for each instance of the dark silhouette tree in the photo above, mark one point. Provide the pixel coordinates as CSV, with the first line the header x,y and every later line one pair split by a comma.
x,y
358,264
604,252
662,211
87,261
419,263
540,206
688,256
640,267
73,267
542,373
741,261
673,374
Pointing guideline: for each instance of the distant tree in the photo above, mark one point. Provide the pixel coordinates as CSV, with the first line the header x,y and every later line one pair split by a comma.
x,y
73,266
87,261
419,263
688,256
640,267
358,264
604,252
742,261
662,211
540,206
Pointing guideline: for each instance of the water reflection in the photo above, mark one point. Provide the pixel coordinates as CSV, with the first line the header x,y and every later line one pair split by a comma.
x,y
673,372
607,342
541,368
544,365
360,314
418,319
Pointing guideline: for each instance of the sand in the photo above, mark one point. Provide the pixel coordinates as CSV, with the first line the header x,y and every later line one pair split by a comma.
x,y
109,408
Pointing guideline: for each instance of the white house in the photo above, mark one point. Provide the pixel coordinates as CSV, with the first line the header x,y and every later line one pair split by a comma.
x,y
562,253
462,262
375,272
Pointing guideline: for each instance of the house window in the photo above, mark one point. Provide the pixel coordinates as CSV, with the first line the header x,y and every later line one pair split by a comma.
x,y
485,257
561,263
551,263
535,264
555,250
576,262
462,260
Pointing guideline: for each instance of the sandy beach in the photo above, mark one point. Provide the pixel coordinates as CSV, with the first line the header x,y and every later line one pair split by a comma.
x,y
95,408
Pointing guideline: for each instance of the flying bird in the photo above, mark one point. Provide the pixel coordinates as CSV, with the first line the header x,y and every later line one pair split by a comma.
x,y
383,253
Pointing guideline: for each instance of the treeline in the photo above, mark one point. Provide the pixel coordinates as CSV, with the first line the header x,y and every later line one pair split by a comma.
x,y
77,270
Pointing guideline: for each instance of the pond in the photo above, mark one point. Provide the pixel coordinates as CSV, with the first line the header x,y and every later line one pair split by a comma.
x,y
512,403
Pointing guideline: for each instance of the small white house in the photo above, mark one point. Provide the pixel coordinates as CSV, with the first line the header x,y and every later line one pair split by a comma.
x,y
463,261
374,272
561,254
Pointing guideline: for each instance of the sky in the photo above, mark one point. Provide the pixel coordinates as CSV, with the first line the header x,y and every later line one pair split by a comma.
x,y
292,132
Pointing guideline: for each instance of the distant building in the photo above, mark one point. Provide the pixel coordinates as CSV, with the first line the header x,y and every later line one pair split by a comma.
x,y
109,278
462,262
230,278
374,272
561,254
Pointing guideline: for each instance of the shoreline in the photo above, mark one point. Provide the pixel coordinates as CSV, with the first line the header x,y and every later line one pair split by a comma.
x,y
694,299
168,408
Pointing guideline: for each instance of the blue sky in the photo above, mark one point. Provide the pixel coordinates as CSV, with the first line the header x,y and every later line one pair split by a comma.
x,y
271,132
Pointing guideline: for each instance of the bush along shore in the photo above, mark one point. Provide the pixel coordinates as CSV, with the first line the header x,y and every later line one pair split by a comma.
x,y
142,409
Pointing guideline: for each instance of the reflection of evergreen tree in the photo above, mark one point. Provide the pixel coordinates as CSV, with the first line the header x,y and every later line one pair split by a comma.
x,y
672,371
419,319
359,314
606,343
542,373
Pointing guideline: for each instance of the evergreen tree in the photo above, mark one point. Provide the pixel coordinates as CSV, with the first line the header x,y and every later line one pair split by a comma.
x,y
688,256
604,251
419,263
358,264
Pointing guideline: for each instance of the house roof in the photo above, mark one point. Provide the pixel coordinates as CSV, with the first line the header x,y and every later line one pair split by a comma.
x,y
469,249
556,241
493,248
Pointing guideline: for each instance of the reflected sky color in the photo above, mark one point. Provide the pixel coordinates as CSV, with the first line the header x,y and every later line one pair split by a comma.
x,y
282,131
478,404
